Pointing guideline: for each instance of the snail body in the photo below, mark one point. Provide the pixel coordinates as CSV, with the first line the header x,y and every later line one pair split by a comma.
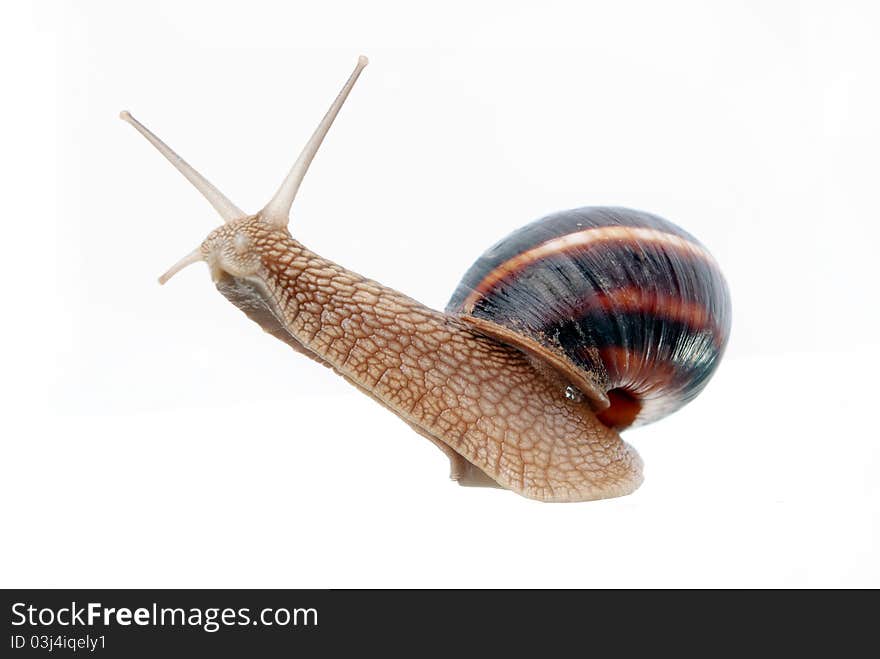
x,y
540,357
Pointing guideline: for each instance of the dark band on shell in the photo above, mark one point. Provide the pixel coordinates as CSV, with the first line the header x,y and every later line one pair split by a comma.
x,y
626,296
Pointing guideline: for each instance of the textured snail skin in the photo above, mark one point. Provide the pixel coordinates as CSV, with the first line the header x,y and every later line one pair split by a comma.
x,y
501,420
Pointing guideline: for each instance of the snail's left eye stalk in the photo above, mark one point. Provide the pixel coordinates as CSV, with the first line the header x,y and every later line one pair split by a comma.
x,y
228,211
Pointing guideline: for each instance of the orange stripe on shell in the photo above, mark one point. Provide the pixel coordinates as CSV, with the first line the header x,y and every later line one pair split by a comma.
x,y
582,239
631,299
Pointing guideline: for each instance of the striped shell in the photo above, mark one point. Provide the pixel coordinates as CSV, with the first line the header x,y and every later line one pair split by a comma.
x,y
632,304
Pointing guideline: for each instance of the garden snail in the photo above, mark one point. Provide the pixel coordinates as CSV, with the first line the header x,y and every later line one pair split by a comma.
x,y
562,334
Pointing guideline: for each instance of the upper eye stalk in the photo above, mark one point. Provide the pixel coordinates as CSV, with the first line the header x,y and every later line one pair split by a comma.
x,y
277,211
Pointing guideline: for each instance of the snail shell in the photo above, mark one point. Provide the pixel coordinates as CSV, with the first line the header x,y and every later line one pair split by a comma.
x,y
630,308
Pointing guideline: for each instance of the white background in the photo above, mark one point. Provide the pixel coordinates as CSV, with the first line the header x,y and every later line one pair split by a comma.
x,y
155,437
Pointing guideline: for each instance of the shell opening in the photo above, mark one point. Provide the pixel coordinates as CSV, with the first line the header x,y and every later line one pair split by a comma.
x,y
623,409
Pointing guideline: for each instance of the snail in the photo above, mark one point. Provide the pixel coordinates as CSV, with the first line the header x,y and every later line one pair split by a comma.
x,y
566,332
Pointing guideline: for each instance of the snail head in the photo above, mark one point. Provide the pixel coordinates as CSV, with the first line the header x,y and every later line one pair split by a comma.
x,y
231,247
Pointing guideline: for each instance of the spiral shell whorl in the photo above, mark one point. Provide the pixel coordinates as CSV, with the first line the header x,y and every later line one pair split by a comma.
x,y
627,297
